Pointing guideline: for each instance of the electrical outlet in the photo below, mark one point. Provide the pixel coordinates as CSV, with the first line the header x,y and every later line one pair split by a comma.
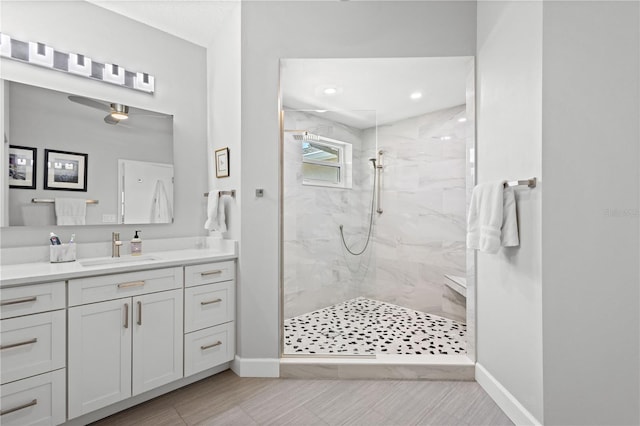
x,y
108,218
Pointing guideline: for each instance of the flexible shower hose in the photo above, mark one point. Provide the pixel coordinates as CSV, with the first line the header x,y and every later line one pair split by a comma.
x,y
373,194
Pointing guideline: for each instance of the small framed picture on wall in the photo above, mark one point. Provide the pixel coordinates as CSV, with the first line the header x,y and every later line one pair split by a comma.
x,y
222,162
22,167
65,171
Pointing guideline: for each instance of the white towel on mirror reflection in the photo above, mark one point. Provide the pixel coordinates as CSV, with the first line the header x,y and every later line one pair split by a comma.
x,y
492,221
71,211
216,220
160,206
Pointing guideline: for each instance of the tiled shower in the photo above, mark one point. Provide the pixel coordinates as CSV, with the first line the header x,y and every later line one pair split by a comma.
x,y
392,299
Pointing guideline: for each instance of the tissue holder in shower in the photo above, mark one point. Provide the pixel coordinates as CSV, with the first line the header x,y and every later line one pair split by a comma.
x,y
62,253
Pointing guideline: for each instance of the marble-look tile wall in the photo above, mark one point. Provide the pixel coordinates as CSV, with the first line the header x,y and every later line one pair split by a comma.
x,y
420,236
317,270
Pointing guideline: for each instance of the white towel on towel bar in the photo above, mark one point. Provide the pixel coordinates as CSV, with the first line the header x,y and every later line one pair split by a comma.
x,y
216,219
492,221
70,211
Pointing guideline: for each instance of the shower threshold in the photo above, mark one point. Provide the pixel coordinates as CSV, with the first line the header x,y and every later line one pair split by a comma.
x,y
405,367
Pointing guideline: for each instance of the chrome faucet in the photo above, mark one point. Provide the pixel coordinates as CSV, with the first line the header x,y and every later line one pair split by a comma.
x,y
115,244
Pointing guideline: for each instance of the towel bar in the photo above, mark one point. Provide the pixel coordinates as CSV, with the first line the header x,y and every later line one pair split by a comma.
x,y
221,193
531,183
51,200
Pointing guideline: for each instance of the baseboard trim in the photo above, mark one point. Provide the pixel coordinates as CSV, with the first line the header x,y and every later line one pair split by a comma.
x,y
256,367
505,400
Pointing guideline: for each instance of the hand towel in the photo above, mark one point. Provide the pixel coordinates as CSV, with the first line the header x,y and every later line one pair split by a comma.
x,y
509,236
71,211
212,211
216,220
160,206
492,221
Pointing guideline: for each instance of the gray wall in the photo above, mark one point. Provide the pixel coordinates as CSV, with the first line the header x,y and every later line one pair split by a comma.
x,y
590,253
509,285
558,98
274,30
180,71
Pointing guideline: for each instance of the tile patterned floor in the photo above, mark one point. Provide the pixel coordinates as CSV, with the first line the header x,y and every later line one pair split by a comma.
x,y
225,399
364,326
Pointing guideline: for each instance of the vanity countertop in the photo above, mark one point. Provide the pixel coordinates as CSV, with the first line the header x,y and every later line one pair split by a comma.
x,y
38,272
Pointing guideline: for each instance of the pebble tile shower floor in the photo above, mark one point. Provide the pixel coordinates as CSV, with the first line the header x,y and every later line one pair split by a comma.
x,y
364,326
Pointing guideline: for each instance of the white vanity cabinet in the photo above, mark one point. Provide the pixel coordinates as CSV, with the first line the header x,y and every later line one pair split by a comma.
x,y
123,347
209,338
32,354
78,343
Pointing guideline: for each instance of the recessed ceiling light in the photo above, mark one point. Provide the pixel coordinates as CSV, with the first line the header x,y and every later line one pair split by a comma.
x,y
445,138
416,95
321,111
462,119
330,91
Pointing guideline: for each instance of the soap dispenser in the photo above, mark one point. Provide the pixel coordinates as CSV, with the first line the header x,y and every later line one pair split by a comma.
x,y
136,245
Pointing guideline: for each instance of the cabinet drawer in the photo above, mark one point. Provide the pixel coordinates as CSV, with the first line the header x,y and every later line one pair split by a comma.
x,y
209,305
209,347
209,273
32,345
31,299
38,400
115,286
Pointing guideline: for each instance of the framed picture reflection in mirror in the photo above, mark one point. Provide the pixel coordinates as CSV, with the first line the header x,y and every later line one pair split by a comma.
x,y
65,171
22,167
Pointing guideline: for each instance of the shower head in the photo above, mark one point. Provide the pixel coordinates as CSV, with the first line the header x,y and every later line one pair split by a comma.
x,y
306,136
373,162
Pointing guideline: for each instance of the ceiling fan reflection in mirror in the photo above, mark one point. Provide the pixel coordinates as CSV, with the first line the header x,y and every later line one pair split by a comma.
x,y
115,112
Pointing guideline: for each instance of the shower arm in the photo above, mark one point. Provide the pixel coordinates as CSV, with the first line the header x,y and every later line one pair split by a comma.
x,y
379,167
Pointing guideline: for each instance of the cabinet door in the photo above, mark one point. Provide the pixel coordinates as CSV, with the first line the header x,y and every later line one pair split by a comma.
x,y
157,340
99,364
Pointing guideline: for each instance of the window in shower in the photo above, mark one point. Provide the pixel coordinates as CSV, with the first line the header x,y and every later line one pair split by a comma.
x,y
326,162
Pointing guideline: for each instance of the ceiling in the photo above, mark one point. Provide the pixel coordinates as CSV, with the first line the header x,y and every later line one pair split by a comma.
x,y
194,21
383,85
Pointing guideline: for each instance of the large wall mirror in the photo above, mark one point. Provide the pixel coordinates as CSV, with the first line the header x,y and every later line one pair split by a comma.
x,y
73,160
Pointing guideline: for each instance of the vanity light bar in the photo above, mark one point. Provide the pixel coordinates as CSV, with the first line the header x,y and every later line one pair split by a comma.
x,y
40,54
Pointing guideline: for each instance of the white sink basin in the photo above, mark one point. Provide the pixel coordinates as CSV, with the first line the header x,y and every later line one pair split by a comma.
x,y
117,260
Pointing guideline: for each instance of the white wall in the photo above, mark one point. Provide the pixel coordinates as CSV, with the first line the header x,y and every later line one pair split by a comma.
x,y
223,97
590,160
273,30
509,114
180,71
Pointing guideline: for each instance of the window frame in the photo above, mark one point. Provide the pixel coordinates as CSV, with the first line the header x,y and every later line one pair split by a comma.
x,y
344,153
